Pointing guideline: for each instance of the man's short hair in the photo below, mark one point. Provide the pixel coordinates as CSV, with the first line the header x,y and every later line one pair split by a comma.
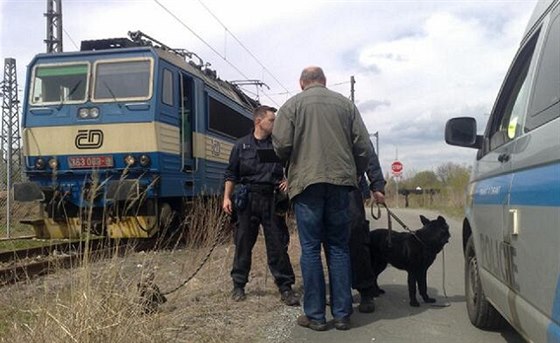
x,y
260,111
313,75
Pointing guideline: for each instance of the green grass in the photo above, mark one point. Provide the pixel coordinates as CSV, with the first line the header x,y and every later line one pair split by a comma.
x,y
16,230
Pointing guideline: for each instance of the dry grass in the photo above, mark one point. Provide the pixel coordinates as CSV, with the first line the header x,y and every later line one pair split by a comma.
x,y
99,302
449,202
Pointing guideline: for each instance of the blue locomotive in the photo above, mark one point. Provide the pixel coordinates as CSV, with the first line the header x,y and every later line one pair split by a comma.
x,y
120,136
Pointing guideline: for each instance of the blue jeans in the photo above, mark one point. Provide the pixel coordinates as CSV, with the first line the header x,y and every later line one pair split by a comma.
x,y
322,216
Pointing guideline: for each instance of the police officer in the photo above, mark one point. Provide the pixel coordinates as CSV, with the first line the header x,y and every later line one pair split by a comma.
x,y
363,277
259,180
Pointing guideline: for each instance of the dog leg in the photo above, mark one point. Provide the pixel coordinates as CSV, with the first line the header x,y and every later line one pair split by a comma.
x,y
423,287
378,267
412,290
376,291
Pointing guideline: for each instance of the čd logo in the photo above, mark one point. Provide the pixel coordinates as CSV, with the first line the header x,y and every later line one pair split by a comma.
x,y
89,139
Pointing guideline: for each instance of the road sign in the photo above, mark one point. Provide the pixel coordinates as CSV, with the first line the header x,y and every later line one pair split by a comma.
x,y
397,168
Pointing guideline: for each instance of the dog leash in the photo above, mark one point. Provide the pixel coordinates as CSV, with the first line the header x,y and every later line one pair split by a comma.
x,y
151,296
391,214
204,260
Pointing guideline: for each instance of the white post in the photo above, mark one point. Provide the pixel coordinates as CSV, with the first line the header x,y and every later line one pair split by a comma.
x,y
397,186
397,176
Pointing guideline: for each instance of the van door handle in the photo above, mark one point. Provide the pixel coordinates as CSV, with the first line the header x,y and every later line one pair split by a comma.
x,y
503,158
514,213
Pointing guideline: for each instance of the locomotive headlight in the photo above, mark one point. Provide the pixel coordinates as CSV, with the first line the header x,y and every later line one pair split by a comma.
x,y
53,163
145,160
129,160
94,112
40,163
83,113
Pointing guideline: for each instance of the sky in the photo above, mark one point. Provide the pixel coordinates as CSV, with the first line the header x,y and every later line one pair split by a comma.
x,y
416,64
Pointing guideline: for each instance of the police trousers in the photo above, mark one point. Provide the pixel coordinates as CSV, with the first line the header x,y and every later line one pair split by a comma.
x,y
363,277
260,211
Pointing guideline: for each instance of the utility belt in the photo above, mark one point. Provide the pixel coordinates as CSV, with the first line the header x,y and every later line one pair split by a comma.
x,y
265,189
241,196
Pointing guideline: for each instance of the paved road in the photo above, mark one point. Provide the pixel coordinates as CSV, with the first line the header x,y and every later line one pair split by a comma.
x,y
395,321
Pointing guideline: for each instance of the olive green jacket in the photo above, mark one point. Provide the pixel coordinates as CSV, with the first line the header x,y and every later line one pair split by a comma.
x,y
321,135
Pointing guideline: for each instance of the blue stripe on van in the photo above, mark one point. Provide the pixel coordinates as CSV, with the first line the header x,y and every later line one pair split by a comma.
x,y
492,191
533,187
553,332
537,187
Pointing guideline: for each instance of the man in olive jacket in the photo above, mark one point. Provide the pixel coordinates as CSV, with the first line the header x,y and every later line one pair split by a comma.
x,y
321,135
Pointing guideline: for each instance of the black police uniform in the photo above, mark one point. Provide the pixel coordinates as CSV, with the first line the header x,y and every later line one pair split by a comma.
x,y
261,178
363,277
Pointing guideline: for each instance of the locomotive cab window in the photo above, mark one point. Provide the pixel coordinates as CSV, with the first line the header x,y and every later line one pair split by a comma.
x,y
167,87
56,84
227,121
123,80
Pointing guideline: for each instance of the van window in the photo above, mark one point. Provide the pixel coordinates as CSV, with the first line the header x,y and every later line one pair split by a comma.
x,y
545,105
510,106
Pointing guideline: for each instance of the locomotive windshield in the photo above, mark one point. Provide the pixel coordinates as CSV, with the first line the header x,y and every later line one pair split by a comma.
x,y
55,84
123,80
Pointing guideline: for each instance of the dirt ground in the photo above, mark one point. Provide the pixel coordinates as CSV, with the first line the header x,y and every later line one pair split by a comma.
x,y
98,302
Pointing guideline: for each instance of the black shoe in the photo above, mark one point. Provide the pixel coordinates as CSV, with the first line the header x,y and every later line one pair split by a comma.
x,y
238,294
342,323
366,303
304,321
289,298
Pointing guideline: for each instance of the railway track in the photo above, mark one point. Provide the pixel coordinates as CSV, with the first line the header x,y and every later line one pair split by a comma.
x,y
25,264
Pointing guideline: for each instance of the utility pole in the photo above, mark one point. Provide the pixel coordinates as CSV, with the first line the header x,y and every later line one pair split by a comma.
x,y
54,26
11,147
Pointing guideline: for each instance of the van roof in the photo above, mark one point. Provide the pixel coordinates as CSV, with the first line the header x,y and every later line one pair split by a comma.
x,y
541,8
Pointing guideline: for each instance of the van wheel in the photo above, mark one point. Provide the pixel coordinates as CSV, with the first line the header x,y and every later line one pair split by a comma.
x,y
481,313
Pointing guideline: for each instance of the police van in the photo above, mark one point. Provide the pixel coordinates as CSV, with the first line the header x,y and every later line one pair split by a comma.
x,y
511,229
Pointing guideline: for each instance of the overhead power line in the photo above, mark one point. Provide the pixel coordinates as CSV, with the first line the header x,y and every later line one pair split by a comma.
x,y
199,37
207,44
71,40
244,47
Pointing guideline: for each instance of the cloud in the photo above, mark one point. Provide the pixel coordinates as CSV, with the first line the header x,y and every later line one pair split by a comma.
x,y
416,64
372,105
452,65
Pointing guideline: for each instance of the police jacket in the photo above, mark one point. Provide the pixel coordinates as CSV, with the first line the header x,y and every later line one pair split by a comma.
x,y
322,136
375,176
246,168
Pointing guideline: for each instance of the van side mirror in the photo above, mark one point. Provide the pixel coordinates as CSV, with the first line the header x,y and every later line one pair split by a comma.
x,y
462,132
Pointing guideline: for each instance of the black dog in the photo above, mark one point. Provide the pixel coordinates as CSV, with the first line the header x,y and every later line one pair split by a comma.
x,y
413,252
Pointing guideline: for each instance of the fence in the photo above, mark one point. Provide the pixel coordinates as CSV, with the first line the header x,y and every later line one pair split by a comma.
x,y
11,213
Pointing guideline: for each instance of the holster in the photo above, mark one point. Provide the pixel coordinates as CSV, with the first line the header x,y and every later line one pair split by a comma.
x,y
241,197
281,202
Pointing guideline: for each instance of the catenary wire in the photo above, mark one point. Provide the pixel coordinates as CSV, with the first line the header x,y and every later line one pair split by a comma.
x,y
208,45
244,47
71,40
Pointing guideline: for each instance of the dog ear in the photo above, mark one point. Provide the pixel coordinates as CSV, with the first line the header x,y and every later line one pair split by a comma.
x,y
424,220
441,219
